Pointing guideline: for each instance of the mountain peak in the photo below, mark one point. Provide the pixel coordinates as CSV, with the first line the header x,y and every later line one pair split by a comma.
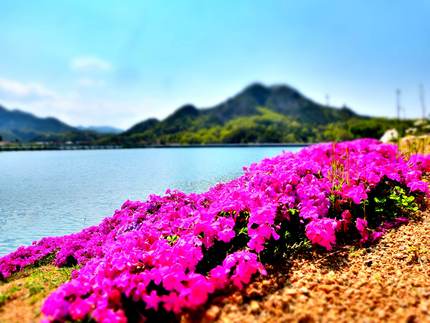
x,y
240,111
284,88
187,110
256,86
258,91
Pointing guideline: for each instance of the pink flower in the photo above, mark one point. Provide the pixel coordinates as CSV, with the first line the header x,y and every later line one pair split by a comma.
x,y
356,193
419,186
322,232
374,236
79,309
346,220
361,225
199,289
105,315
172,302
152,300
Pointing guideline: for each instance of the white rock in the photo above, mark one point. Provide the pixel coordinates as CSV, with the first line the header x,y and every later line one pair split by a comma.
x,y
390,135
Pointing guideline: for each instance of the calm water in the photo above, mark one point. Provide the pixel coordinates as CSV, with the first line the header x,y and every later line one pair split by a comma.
x,y
50,193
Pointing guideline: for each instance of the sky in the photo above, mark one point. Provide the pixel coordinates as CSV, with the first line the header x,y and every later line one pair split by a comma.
x,y
116,63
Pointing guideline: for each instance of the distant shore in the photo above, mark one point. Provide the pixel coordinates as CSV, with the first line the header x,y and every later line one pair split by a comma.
x,y
35,147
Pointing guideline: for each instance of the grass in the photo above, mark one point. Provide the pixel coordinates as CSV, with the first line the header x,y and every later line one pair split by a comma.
x,y
24,292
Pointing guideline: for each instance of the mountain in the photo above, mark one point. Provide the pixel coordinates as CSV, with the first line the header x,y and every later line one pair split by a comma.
x,y
24,126
101,129
17,125
259,113
279,98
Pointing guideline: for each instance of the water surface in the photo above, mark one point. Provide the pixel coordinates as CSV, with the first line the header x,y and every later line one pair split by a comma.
x,y
50,193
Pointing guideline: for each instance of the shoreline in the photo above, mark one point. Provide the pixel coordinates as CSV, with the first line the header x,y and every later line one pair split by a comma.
x,y
110,147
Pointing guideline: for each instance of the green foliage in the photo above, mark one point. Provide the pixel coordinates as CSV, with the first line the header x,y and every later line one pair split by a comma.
x,y
390,201
263,126
396,203
376,127
402,200
241,226
172,239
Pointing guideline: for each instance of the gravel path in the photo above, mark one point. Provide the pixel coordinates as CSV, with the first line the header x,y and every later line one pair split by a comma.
x,y
388,282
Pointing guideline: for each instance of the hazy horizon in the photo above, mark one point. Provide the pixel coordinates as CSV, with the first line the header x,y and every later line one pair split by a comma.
x,y
23,109
106,63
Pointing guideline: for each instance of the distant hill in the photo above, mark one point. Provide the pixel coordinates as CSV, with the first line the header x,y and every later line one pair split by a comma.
x,y
259,114
280,98
17,125
24,126
101,129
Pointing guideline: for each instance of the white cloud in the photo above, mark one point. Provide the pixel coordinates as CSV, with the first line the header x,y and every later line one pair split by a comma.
x,y
11,89
84,102
76,106
90,63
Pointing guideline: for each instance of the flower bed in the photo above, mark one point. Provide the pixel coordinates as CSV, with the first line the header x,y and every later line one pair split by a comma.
x,y
169,254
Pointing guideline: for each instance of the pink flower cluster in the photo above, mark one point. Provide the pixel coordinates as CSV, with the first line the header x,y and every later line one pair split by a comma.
x,y
170,253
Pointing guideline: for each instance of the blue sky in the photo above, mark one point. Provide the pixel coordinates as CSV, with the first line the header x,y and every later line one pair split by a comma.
x,y
119,62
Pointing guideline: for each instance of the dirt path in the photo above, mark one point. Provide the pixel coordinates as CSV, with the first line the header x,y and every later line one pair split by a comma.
x,y
388,282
